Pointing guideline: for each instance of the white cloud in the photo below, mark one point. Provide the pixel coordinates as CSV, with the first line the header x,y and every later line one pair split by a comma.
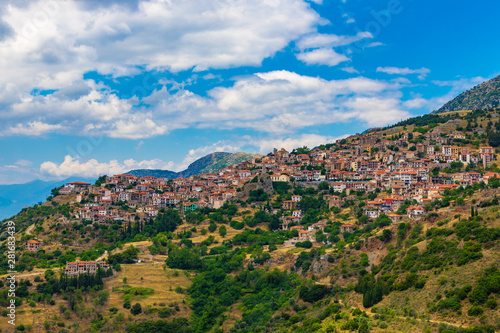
x,y
374,44
405,71
195,154
309,140
92,168
317,49
316,40
136,127
460,84
371,109
281,100
203,34
278,101
53,43
72,166
23,163
139,145
172,35
322,57
457,87
34,128
350,69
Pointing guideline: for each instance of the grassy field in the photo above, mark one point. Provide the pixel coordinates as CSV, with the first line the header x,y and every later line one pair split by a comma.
x,y
153,275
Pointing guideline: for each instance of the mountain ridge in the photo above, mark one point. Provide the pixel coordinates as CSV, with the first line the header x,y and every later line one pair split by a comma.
x,y
209,163
484,96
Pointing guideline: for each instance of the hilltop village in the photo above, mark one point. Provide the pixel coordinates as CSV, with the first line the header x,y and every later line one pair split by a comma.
x,y
405,170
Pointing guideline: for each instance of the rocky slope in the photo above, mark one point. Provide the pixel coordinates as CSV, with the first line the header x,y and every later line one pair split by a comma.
x,y
484,96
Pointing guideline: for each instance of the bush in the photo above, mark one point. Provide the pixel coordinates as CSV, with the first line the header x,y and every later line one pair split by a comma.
x,y
305,244
491,303
237,225
475,311
136,309
314,293
165,312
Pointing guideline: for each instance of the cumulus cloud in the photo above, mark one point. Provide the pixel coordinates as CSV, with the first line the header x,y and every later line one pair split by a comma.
x,y
92,168
283,101
72,166
422,72
51,44
310,140
317,48
34,128
322,57
187,34
278,101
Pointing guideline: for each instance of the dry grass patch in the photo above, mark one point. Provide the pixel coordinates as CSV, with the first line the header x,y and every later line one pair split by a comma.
x,y
153,275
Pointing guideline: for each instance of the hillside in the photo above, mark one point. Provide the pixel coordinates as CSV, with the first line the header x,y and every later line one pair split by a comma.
x,y
485,96
210,163
394,230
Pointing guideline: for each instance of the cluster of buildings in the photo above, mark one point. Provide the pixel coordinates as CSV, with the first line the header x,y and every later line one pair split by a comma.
x,y
412,172
80,267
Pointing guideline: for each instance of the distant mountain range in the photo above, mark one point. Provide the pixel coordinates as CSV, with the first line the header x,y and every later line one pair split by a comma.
x,y
15,197
210,163
484,96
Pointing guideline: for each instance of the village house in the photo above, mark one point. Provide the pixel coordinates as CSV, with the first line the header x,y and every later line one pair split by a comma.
x,y
33,245
347,228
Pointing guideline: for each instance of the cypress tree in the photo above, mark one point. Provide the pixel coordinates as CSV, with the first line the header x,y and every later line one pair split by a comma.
x,y
367,299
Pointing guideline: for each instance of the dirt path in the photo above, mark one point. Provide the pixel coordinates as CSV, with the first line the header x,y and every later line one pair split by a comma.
x,y
103,256
30,228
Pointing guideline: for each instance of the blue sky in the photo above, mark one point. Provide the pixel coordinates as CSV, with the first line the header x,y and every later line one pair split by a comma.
x,y
89,88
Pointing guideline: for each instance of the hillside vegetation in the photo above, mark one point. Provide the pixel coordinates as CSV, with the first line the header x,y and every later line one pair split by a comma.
x,y
412,245
484,96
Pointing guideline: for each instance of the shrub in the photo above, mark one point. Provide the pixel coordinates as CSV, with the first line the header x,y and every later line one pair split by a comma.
x,y
136,309
304,244
491,303
314,293
165,312
475,311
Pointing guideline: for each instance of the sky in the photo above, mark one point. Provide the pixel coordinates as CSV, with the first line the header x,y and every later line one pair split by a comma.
x,y
102,87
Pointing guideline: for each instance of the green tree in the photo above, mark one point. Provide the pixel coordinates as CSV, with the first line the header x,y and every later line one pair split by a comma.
x,y
222,230
136,309
387,234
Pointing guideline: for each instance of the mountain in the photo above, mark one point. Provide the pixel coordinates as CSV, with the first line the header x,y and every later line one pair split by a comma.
x,y
211,163
17,196
485,96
